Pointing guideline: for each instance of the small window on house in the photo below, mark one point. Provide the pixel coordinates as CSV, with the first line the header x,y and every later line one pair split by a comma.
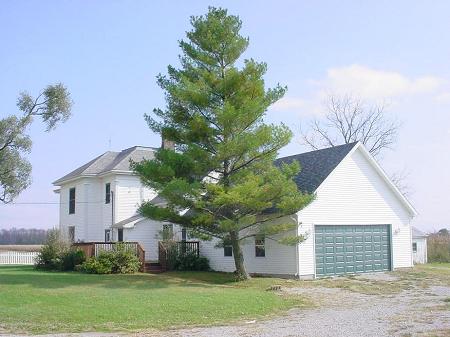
x,y
107,193
414,246
72,201
120,235
227,251
71,234
167,232
260,246
108,235
183,234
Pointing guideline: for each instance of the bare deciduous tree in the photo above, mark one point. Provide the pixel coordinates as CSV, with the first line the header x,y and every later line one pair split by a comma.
x,y
349,119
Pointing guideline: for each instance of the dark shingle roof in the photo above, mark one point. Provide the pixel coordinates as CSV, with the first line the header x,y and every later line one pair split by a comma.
x,y
110,161
316,165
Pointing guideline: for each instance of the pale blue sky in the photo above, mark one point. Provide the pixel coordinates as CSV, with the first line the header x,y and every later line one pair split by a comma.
x,y
109,52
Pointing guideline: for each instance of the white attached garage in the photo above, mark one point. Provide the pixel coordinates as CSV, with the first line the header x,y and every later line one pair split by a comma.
x,y
359,221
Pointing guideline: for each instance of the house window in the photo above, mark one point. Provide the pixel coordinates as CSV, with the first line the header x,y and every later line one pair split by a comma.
x,y
414,246
183,234
72,201
167,232
107,193
227,251
120,235
260,246
108,235
71,234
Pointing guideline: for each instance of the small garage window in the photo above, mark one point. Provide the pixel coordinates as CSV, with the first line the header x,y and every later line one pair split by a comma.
x,y
227,251
260,246
414,247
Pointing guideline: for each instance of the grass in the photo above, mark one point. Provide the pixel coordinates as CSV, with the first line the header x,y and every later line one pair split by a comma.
x,y
44,302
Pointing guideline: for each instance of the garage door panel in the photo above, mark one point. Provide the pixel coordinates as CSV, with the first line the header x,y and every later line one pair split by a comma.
x,y
344,249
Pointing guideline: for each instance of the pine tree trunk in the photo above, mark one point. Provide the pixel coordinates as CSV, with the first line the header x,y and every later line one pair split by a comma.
x,y
241,273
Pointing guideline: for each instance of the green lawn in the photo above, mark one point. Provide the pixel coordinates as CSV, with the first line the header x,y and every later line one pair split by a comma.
x,y
40,302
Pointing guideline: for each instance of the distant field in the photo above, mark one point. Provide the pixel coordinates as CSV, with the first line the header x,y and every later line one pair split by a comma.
x,y
20,248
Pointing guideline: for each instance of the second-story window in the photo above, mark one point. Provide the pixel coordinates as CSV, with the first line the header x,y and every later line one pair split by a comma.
x,y
107,193
72,201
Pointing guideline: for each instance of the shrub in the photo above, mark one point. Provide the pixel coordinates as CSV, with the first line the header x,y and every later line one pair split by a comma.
x,y
191,262
119,260
438,247
97,265
50,255
72,258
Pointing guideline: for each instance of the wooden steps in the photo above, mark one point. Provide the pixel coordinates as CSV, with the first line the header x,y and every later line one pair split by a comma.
x,y
153,267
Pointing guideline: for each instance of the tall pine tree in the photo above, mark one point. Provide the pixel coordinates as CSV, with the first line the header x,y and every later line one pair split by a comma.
x,y
222,168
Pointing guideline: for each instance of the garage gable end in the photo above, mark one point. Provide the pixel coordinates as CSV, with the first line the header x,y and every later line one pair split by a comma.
x,y
375,176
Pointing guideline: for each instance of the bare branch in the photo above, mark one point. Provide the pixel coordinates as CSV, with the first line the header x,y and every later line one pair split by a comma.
x,y
347,120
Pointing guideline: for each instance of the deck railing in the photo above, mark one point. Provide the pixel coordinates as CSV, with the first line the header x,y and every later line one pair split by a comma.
x,y
92,249
170,250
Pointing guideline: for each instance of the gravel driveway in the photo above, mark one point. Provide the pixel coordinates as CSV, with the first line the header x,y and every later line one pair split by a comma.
x,y
344,313
339,312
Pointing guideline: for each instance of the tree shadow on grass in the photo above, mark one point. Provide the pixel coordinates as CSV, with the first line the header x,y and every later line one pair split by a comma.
x,y
27,275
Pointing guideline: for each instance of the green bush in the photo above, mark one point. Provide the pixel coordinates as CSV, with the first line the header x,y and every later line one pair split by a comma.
x,y
119,260
438,248
97,265
191,262
50,255
72,258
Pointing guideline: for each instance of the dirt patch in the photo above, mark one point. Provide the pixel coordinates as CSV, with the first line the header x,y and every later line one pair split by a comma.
x,y
20,248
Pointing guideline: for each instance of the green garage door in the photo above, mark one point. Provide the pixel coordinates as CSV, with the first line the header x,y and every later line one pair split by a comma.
x,y
342,249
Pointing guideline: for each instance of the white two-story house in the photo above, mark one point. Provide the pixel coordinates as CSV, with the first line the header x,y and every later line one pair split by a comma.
x,y
359,221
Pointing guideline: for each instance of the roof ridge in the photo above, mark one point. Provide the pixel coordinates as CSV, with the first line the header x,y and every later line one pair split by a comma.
x,y
323,149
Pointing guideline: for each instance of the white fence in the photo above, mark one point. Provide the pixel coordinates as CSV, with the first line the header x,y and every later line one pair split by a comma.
x,y
13,257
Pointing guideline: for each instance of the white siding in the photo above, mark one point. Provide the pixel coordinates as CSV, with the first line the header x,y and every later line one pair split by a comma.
x,y
148,234
129,195
279,260
92,215
355,194
420,256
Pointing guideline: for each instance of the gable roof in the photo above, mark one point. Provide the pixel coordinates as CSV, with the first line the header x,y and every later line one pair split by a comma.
x,y
109,162
317,165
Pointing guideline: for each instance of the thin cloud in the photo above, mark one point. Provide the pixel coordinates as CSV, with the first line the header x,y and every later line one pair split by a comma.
x,y
376,84
289,103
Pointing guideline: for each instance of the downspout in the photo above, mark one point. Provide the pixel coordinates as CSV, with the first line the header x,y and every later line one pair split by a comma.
x,y
297,248
112,215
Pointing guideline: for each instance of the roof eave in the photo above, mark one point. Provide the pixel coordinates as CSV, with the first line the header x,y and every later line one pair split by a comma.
x,y
385,177
61,182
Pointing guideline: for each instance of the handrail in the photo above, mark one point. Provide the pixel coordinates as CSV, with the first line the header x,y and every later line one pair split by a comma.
x,y
162,252
170,250
141,256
